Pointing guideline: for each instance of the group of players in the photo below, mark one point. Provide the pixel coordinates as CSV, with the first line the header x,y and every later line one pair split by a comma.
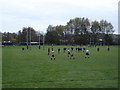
x,y
69,52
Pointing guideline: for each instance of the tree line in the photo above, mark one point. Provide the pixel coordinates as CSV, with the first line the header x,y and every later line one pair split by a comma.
x,y
80,31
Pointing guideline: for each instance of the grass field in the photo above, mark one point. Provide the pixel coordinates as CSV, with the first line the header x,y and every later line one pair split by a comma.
x,y
34,69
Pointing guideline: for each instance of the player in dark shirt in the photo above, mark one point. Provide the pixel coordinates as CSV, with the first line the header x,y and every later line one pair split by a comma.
x,y
48,51
23,49
58,50
64,49
98,49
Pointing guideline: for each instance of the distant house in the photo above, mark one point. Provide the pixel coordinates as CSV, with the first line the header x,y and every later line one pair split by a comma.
x,y
31,43
7,43
34,43
116,39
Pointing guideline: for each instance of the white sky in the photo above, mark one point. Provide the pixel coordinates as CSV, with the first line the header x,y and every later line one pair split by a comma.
x,y
16,14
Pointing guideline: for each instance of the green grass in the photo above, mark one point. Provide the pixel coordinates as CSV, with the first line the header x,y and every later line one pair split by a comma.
x,y
34,69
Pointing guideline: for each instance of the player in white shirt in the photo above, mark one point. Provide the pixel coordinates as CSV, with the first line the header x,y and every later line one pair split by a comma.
x,y
53,56
87,54
68,52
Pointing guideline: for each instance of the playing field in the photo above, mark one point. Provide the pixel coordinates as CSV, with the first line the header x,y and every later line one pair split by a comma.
x,y
34,69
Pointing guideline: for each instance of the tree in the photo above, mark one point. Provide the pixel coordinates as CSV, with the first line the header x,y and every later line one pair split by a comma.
x,y
79,29
52,36
76,31
106,27
19,36
107,31
95,31
60,32
14,38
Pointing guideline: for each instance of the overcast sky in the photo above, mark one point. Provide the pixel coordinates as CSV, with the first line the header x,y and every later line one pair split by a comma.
x,y
16,14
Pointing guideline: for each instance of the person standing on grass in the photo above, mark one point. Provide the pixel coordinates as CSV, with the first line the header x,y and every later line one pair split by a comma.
x,y
23,49
52,49
87,54
48,51
84,49
58,50
72,48
98,49
53,56
72,56
80,49
108,49
64,49
68,52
